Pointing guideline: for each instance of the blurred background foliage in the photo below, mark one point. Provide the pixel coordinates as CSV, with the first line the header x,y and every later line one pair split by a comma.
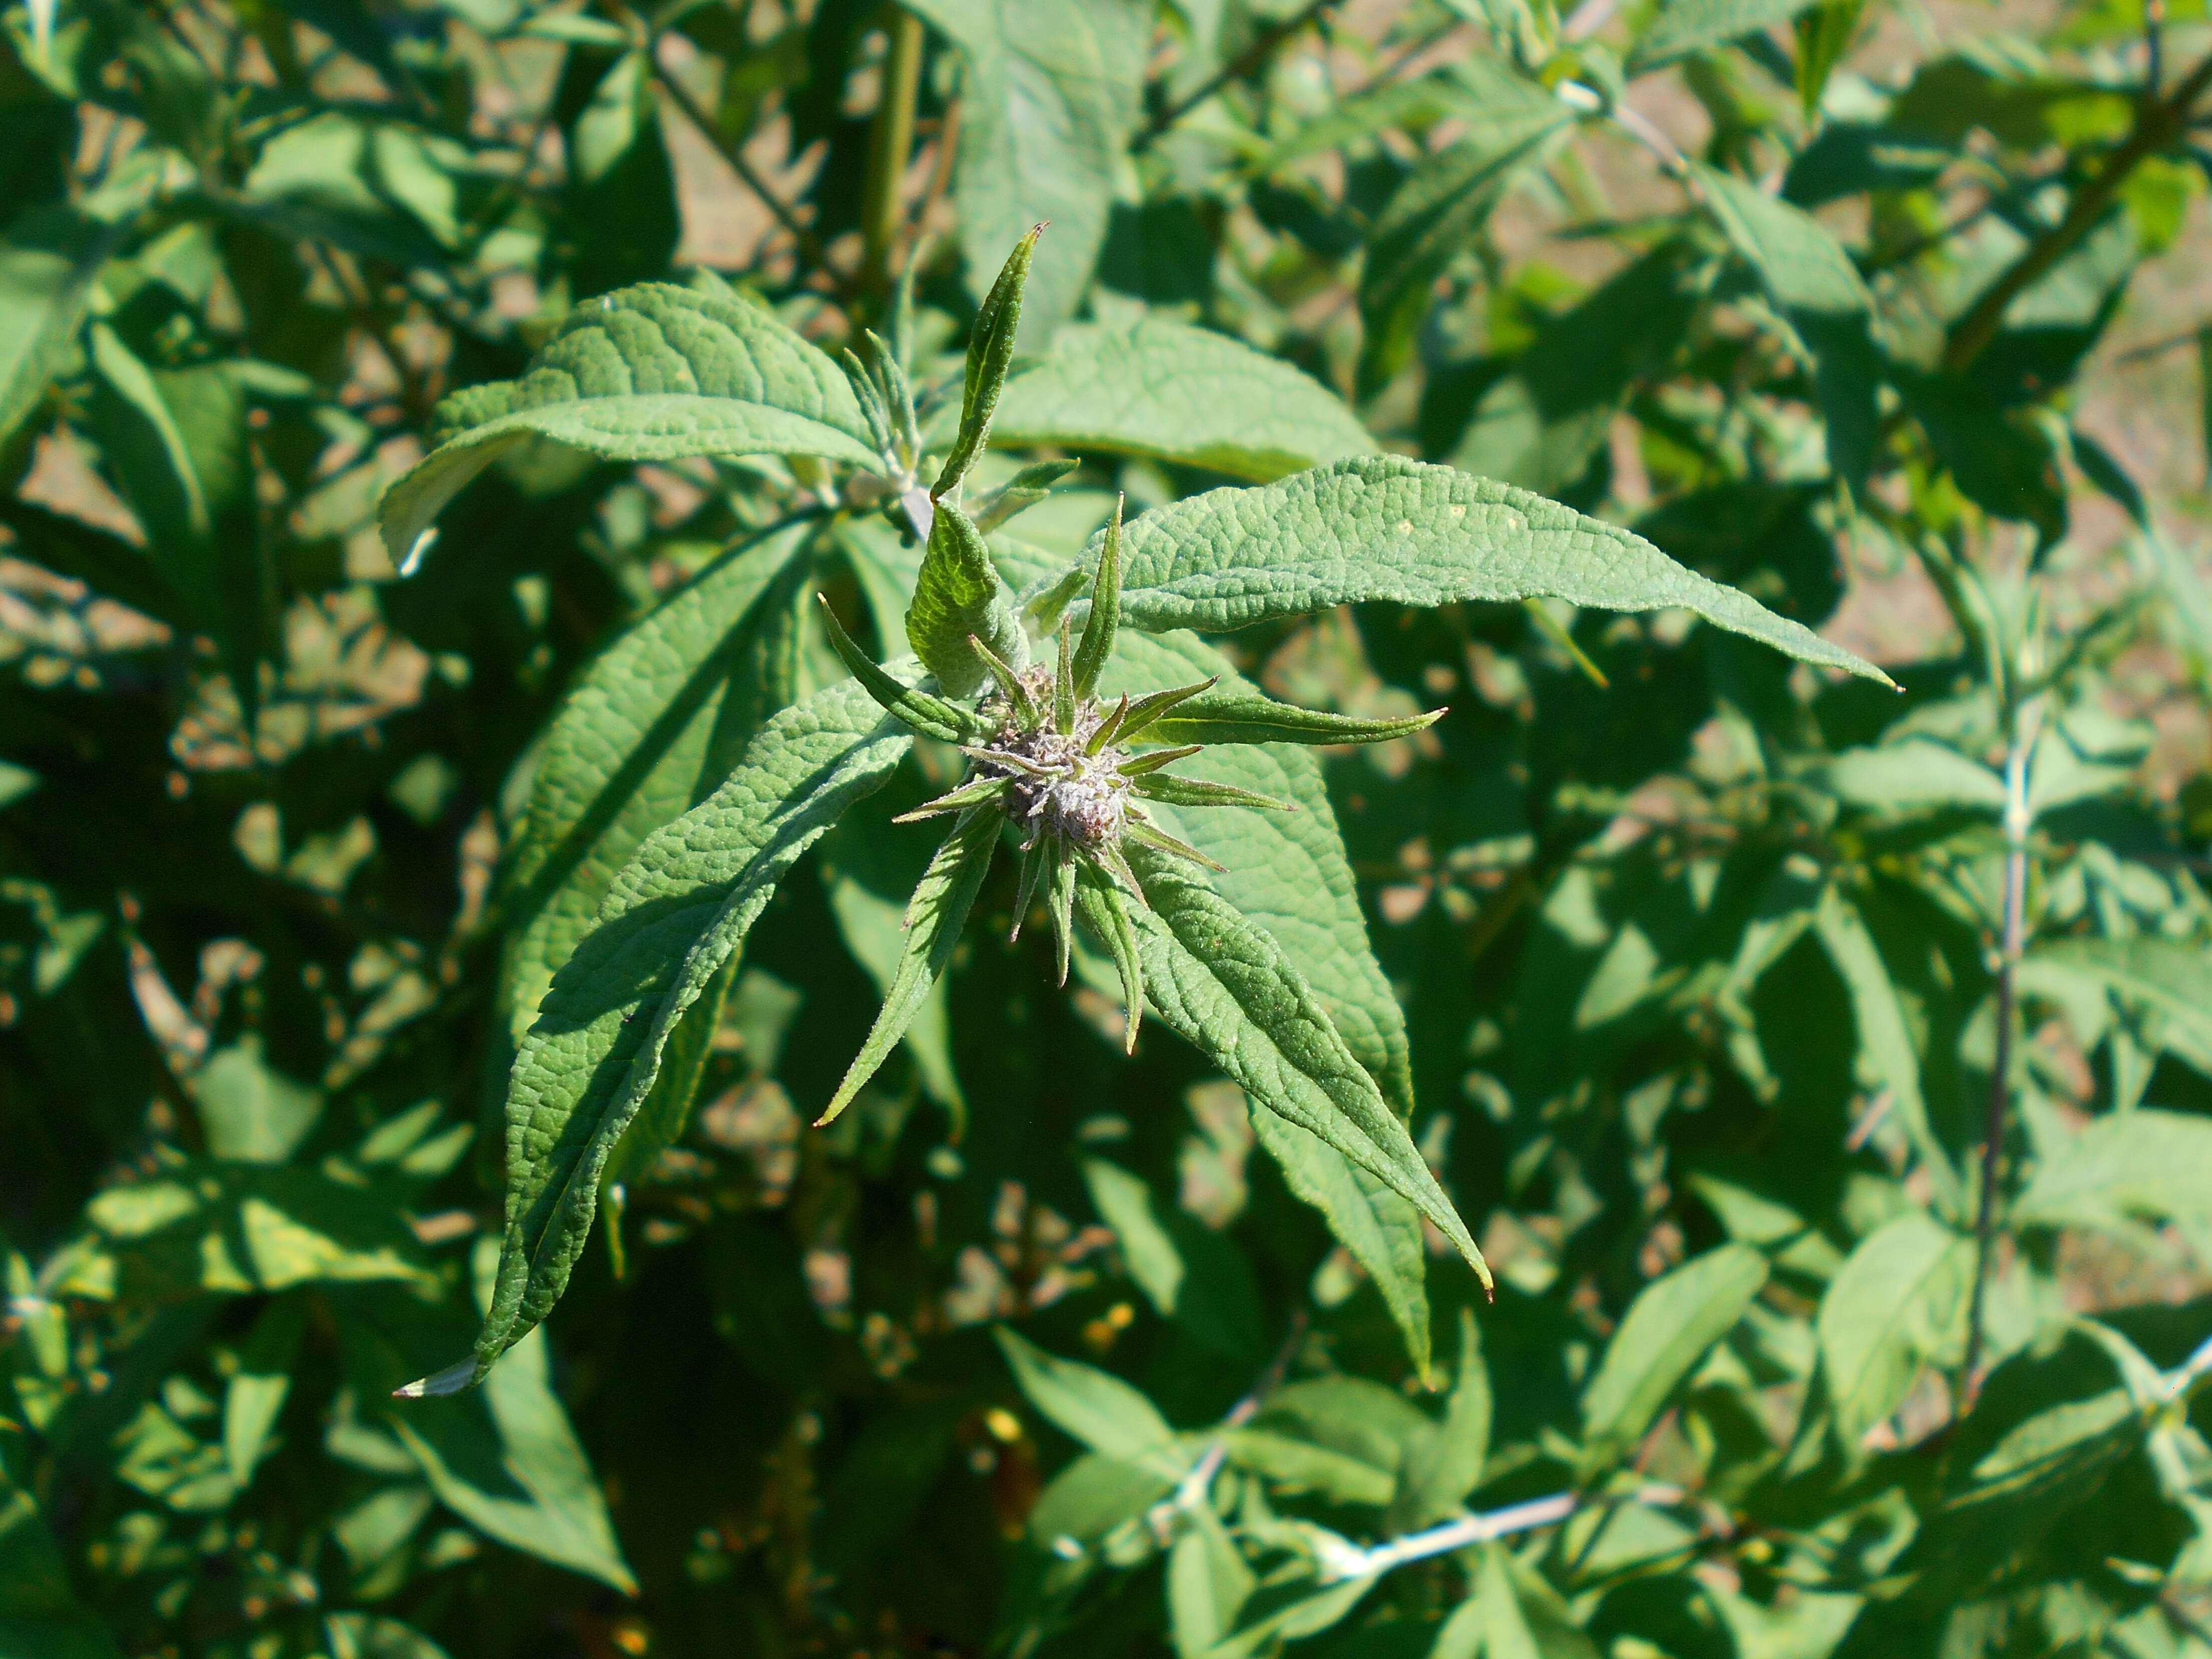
x,y
1893,313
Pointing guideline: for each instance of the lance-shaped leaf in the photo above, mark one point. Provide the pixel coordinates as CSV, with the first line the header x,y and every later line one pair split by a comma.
x,y
1287,870
1386,528
1097,643
934,920
47,261
958,597
990,356
1797,257
1433,216
675,915
915,708
1692,26
1107,910
1176,393
1667,1330
1229,717
653,372
623,755
1229,988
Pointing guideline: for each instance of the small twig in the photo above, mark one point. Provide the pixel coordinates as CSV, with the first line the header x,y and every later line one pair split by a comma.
x,y
2154,45
890,146
2026,721
810,246
2158,123
1235,70
1474,1529
1191,1491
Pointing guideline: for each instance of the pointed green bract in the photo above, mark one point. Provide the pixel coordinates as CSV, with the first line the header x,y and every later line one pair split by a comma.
x,y
932,717
1227,987
1244,717
1060,903
1386,528
933,921
977,792
1063,691
1097,644
675,915
1104,907
990,354
958,595
1196,792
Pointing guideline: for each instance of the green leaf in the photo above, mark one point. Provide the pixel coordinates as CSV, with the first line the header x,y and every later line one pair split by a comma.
x,y
1173,393
506,1459
255,1394
1124,1204
870,880
1898,1301
371,1635
1824,36
1243,717
1288,872
1294,1465
621,189
237,1229
934,920
1208,1583
676,913
1886,1060
47,261
1386,528
1308,1615
1437,214
1093,1407
1048,93
990,354
628,752
1679,27
1228,989
1510,1613
1365,1214
653,372
1802,265
1666,1332
958,595
1442,1481
251,1112
2144,1163
2170,979
40,1617
1915,775
176,439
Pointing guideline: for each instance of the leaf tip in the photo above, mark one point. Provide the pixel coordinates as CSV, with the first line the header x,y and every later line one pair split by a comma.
x,y
460,1374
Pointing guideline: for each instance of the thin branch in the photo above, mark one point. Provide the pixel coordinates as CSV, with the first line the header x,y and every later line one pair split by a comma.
x,y
2025,723
1191,1490
1236,69
1472,1530
2159,123
890,146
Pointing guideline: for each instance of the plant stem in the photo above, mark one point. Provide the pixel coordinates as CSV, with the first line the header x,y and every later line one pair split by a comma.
x,y
2159,123
2025,724
890,146
1235,70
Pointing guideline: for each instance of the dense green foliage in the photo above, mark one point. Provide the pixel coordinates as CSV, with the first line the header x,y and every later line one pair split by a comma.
x,y
548,549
